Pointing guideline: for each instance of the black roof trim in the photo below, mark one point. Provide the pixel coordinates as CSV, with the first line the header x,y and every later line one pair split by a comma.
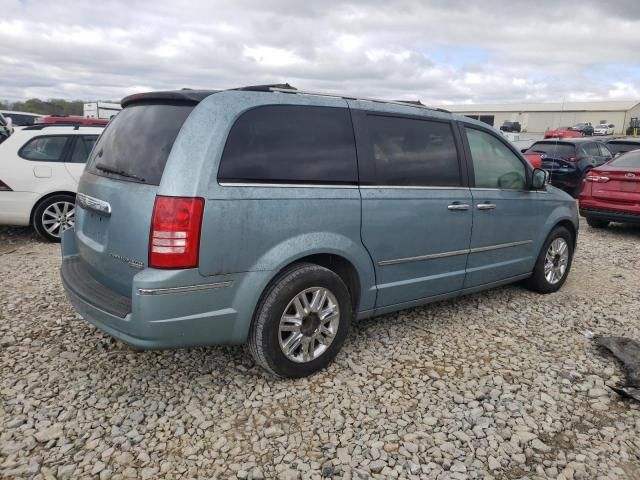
x,y
630,141
75,126
266,88
571,140
185,95
196,96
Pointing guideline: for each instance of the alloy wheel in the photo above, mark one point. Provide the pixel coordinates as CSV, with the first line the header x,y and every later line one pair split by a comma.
x,y
556,260
309,324
58,217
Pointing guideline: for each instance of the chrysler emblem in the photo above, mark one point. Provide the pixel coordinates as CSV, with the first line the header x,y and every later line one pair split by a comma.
x,y
630,175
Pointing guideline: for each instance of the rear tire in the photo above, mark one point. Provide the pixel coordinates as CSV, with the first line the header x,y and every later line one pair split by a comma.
x,y
597,223
553,264
54,215
290,318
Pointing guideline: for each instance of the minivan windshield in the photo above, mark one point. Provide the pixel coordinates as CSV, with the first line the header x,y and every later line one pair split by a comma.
x,y
136,144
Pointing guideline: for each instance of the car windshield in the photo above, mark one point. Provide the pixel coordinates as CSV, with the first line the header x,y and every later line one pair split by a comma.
x,y
622,147
508,123
553,148
628,160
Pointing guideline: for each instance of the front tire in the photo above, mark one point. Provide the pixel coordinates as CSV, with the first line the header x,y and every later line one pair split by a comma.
x,y
54,215
301,321
553,263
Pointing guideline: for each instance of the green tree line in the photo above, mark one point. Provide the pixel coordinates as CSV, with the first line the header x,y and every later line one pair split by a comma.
x,y
53,106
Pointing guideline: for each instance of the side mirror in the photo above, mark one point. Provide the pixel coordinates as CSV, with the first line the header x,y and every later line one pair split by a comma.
x,y
523,150
538,179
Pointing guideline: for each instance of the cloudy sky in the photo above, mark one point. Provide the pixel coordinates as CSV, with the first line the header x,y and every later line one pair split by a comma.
x,y
440,51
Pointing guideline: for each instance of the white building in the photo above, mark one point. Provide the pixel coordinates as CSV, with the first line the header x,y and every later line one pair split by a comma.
x,y
538,117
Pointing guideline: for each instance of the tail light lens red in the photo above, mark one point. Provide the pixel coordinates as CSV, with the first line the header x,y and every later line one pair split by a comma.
x,y
174,239
597,178
4,187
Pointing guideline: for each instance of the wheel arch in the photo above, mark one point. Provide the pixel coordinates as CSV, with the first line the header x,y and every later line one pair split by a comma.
x,y
45,197
568,224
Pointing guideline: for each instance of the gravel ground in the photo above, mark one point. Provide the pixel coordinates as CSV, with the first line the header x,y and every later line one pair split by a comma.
x,y
498,384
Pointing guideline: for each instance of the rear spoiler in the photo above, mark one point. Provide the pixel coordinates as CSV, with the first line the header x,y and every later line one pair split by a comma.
x,y
186,96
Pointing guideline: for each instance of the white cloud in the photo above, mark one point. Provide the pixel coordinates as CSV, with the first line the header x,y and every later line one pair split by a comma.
x,y
439,51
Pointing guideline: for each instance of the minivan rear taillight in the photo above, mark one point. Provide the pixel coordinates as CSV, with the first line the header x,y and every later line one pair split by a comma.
x,y
174,239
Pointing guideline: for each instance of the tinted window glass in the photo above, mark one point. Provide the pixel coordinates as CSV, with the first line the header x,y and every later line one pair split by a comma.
x,y
44,149
562,150
591,149
495,165
291,143
628,160
19,120
82,148
138,141
413,152
622,147
604,151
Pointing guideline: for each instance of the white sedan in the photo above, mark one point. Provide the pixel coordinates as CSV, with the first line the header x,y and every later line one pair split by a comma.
x,y
603,129
39,171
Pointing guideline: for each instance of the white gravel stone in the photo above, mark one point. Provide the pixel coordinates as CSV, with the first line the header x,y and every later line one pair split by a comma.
x,y
497,383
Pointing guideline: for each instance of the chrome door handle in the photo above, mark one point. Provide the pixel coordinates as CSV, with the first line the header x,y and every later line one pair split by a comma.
x,y
458,206
486,206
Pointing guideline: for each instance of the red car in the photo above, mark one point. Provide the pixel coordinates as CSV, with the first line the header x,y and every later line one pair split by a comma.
x,y
611,192
535,159
562,132
71,120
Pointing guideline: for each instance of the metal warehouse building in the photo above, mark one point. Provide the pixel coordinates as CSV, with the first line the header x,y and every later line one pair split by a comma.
x,y
538,117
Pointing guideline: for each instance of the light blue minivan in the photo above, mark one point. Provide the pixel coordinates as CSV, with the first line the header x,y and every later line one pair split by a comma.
x,y
274,217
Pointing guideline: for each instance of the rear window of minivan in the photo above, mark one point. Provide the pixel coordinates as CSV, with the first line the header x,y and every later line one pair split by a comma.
x,y
138,141
291,144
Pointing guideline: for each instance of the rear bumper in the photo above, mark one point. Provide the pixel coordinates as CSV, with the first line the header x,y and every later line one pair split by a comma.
x,y
611,216
166,309
15,207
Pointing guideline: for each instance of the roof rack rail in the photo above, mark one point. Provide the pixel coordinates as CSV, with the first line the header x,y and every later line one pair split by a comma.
x,y
411,102
404,103
268,88
75,126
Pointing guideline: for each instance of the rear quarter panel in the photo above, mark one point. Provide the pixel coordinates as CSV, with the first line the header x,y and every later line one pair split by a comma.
x,y
256,228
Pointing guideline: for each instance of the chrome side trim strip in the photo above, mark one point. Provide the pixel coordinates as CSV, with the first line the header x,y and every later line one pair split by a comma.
x,y
423,257
453,253
283,185
408,187
500,245
190,288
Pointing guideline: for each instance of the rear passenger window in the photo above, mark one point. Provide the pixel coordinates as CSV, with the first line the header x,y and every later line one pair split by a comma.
x,y
604,151
591,149
82,148
44,148
291,144
413,152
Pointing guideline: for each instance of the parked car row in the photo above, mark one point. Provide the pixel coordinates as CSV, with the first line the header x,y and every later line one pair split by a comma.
x,y
584,129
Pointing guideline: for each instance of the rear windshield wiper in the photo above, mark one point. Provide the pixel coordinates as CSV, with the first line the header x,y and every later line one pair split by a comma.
x,y
106,168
